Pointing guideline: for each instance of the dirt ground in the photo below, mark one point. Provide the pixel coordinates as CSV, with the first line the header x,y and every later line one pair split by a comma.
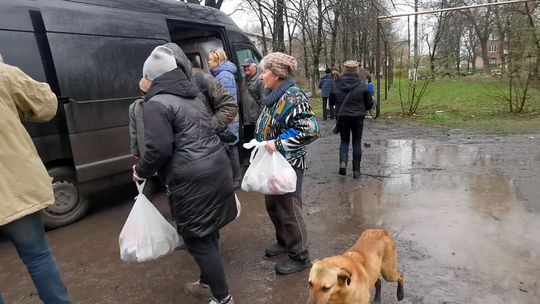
x,y
462,207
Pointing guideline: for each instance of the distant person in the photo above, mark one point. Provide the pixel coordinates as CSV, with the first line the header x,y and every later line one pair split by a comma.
x,y
352,99
363,74
25,185
224,71
251,95
325,84
183,147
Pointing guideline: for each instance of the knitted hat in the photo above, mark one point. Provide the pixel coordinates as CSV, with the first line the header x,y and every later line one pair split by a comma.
x,y
281,65
350,66
159,62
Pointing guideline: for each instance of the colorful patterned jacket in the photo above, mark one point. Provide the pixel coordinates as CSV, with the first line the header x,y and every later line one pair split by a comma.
x,y
291,122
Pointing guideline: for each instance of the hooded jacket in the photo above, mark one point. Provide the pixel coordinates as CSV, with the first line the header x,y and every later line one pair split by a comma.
x,y
25,185
182,146
252,95
359,101
326,84
224,104
224,73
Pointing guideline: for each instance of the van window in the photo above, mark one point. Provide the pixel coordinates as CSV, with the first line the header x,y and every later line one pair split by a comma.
x,y
242,53
20,49
99,67
196,61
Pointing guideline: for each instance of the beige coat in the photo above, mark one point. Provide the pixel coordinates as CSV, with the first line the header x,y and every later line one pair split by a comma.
x,y
25,185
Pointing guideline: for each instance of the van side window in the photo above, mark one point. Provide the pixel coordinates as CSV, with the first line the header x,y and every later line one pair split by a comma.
x,y
242,53
96,67
196,61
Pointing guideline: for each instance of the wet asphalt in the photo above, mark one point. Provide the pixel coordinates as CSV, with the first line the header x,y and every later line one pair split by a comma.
x,y
462,207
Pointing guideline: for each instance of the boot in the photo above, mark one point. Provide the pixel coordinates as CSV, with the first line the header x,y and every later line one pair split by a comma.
x,y
356,168
292,266
343,160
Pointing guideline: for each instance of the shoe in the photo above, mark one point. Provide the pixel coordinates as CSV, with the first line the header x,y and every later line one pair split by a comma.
x,y
291,266
229,301
356,168
197,289
343,160
275,250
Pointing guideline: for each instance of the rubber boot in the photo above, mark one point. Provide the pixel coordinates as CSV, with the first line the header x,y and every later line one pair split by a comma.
x,y
356,168
343,160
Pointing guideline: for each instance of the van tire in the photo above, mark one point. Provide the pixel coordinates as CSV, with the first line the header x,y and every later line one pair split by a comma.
x,y
69,207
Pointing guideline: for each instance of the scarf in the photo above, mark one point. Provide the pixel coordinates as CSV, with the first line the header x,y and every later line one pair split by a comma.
x,y
271,97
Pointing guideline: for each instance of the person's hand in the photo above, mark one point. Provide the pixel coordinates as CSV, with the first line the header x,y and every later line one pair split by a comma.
x,y
136,177
137,157
234,121
271,146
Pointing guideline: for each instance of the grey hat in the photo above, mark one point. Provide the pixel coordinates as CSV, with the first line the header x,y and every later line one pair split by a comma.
x,y
159,62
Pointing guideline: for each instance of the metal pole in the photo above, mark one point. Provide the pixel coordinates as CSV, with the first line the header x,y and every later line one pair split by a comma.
x,y
378,62
415,40
385,70
455,8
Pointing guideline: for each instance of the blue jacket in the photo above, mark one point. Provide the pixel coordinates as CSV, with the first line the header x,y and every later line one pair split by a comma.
x,y
224,73
326,84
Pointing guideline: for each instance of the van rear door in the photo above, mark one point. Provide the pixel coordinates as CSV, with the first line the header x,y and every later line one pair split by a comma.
x,y
98,53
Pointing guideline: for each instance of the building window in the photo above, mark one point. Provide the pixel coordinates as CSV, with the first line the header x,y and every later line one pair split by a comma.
x,y
492,61
494,36
492,48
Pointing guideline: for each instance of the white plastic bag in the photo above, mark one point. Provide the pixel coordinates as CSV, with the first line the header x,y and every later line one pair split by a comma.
x,y
146,235
269,174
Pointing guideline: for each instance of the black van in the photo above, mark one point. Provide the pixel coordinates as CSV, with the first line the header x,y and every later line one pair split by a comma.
x,y
91,53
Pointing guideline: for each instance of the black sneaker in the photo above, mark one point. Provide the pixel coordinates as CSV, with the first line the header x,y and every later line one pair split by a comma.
x,y
291,266
275,250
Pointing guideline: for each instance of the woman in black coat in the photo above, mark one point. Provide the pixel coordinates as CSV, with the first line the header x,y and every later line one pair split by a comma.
x,y
183,148
352,99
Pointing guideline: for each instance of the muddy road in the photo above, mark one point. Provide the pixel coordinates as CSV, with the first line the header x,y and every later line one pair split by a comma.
x,y
463,208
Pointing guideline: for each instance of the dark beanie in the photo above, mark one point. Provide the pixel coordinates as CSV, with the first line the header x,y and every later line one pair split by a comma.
x,y
328,71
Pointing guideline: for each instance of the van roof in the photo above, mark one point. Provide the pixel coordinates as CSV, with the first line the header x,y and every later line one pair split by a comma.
x,y
174,8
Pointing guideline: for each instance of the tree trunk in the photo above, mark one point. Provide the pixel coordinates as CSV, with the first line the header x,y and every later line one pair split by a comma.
x,y
334,37
280,26
483,46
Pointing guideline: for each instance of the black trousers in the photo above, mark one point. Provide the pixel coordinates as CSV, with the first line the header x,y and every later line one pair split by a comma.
x,y
205,251
325,110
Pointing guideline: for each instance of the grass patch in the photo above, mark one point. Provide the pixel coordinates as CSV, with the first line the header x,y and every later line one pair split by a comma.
x,y
472,102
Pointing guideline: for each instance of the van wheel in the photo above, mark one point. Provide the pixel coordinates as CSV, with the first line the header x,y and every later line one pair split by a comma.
x,y
68,207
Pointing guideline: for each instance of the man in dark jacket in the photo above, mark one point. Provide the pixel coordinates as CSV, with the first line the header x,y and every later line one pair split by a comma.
x,y
251,96
181,144
326,84
352,99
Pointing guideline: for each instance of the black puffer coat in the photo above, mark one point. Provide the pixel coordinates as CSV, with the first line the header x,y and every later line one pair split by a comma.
x,y
359,101
182,146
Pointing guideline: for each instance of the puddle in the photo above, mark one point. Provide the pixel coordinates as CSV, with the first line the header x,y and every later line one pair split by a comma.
x,y
472,219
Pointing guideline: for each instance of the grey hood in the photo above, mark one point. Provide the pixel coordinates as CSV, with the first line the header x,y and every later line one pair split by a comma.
x,y
181,60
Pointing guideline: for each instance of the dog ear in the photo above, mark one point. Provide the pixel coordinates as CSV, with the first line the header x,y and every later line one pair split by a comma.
x,y
344,276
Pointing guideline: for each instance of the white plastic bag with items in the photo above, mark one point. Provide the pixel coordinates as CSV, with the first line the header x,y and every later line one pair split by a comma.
x,y
146,235
269,174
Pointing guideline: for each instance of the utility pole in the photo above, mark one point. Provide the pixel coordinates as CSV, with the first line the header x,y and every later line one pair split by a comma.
x,y
416,62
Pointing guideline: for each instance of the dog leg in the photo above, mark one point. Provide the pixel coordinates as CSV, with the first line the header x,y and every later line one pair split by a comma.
x,y
400,291
377,291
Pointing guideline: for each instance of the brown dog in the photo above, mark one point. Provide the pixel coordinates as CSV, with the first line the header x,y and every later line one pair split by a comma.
x,y
348,278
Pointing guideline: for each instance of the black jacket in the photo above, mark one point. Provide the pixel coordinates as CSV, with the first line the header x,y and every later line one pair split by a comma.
x,y
182,146
359,100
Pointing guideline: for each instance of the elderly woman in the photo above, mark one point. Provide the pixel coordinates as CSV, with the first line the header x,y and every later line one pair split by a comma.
x,y
182,146
288,124
352,99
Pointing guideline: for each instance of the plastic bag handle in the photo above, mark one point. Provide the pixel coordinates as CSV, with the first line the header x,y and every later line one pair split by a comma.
x,y
254,144
140,186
